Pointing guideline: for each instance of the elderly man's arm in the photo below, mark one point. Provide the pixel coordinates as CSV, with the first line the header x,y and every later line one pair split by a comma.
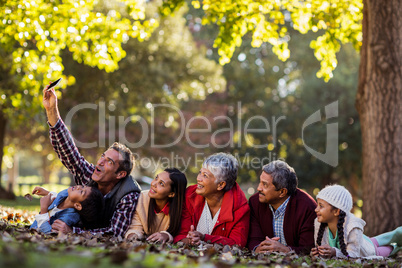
x,y
306,231
256,235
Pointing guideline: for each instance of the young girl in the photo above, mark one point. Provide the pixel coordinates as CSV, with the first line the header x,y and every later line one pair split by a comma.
x,y
158,212
70,205
338,233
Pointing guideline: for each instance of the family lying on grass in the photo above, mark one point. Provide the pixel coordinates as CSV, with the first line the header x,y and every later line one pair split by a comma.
x,y
279,217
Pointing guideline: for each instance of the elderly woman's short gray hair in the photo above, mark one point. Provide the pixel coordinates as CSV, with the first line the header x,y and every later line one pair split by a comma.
x,y
224,167
283,176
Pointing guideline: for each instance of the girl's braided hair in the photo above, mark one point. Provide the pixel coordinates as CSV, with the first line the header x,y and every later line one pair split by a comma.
x,y
341,235
321,233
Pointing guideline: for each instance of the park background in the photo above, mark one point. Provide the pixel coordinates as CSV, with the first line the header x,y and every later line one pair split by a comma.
x,y
124,56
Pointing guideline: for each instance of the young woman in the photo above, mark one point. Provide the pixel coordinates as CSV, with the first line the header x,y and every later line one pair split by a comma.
x,y
158,213
338,233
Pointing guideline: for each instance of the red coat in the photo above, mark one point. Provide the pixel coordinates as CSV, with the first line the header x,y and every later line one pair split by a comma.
x,y
233,221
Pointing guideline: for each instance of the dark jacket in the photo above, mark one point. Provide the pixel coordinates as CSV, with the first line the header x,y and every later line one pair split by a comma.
x,y
111,199
298,225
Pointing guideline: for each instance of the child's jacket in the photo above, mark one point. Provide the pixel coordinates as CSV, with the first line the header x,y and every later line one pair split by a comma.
x,y
357,245
69,215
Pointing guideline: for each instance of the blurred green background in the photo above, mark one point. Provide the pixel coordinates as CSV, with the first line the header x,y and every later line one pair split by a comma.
x,y
176,65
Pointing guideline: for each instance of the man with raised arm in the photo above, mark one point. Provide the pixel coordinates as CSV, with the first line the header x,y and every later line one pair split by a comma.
x,y
111,174
282,216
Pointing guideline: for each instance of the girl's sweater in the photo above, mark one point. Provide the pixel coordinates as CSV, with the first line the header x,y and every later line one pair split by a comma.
x,y
139,223
357,244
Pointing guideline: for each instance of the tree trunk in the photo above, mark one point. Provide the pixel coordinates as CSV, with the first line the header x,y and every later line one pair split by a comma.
x,y
379,103
3,123
13,174
45,170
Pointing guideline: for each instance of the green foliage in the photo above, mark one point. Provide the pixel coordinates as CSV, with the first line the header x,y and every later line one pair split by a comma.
x,y
33,37
267,87
34,33
169,68
269,21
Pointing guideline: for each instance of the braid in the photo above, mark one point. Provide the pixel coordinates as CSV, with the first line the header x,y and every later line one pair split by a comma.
x,y
321,233
341,220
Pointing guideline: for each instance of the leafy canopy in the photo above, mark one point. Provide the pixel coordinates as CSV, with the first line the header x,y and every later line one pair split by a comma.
x,y
338,22
33,33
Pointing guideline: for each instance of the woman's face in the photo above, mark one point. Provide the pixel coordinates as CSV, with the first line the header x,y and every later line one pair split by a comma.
x,y
207,183
161,188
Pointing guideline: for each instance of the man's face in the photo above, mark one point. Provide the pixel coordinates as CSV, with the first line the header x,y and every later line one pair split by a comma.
x,y
106,167
267,191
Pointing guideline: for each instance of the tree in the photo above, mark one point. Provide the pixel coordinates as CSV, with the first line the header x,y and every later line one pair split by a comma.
x,y
168,68
34,33
379,102
379,92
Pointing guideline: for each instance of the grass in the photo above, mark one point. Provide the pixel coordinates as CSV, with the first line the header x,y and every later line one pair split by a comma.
x,y
22,203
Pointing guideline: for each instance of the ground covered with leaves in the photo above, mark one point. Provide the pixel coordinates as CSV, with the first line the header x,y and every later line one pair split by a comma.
x,y
22,247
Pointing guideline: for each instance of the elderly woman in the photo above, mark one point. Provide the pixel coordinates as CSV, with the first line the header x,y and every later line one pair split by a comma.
x,y
216,209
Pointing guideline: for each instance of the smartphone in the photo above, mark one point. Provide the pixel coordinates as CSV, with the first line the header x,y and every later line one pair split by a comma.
x,y
52,85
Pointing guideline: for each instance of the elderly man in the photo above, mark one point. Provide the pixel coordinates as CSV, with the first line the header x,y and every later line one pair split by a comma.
x,y
216,209
282,216
111,174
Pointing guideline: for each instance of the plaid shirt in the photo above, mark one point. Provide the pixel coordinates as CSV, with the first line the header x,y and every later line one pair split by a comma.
x,y
82,170
277,221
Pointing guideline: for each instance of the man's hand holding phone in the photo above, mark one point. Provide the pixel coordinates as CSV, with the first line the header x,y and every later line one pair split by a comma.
x,y
52,85
50,103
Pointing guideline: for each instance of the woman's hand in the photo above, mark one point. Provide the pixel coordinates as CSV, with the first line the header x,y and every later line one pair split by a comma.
x,y
40,191
158,238
326,251
195,237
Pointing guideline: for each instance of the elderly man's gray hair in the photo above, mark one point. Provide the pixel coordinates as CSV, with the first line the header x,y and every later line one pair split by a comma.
x,y
224,167
283,176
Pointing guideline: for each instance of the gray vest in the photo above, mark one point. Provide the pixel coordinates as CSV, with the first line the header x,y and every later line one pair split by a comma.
x,y
123,187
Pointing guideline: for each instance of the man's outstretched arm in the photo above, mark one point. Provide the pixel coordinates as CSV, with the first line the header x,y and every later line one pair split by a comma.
x,y
50,103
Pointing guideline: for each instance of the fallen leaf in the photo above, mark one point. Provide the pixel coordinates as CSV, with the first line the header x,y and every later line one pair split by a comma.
x,y
228,257
28,197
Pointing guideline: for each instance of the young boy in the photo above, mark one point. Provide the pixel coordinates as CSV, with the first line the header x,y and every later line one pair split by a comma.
x,y
70,205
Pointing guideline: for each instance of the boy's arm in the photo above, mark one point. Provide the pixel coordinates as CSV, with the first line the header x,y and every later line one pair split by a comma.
x,y
121,218
43,218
